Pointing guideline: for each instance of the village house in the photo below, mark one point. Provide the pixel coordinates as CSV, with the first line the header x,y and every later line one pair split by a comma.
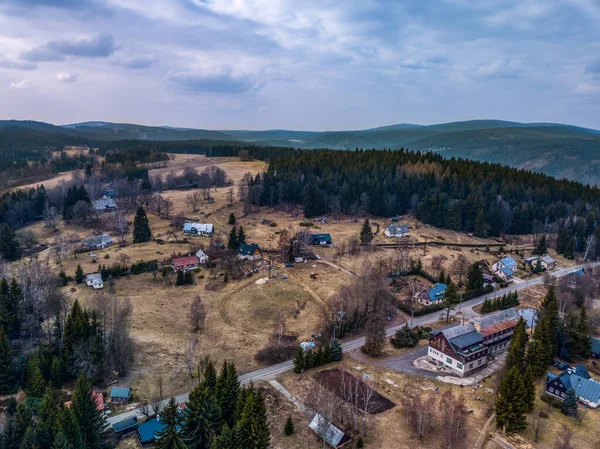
x,y
98,242
104,205
465,347
94,280
202,256
433,295
505,268
249,252
185,263
125,426
97,398
147,431
574,277
396,231
546,262
109,193
320,239
577,378
329,433
120,395
488,280
205,229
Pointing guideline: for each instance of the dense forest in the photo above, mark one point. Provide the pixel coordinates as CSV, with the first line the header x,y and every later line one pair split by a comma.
x,y
458,194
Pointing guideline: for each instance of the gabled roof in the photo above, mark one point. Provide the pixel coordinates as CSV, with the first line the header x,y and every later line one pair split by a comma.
x,y
586,388
200,254
200,227
436,292
507,271
321,237
149,429
120,392
185,261
397,229
595,345
581,370
496,317
248,250
330,433
508,262
455,330
97,277
548,259
532,258
97,240
577,273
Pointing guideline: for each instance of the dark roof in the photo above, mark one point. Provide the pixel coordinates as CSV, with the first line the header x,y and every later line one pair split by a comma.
x,y
321,237
248,250
126,424
147,430
120,392
436,292
466,340
585,387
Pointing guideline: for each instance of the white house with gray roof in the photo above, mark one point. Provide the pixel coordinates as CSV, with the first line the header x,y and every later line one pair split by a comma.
x,y
394,230
98,242
104,205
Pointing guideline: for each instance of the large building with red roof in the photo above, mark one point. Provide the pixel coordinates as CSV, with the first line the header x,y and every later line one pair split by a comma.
x,y
465,348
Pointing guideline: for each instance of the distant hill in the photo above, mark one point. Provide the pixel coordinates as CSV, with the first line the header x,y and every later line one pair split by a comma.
x,y
555,149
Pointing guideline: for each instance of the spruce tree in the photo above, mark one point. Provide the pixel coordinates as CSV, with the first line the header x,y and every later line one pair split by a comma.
x,y
36,385
241,237
256,434
79,276
169,437
584,345
226,440
336,351
141,227
90,419
299,361
10,248
541,246
366,233
68,433
7,379
529,386
569,404
22,421
47,419
209,378
231,219
289,426
475,277
510,404
233,243
11,297
180,279
518,343
201,419
227,391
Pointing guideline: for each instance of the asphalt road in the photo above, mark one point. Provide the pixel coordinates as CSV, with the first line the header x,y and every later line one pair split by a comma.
x,y
356,343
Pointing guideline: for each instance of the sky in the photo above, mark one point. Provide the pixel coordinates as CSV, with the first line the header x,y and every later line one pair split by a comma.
x,y
318,65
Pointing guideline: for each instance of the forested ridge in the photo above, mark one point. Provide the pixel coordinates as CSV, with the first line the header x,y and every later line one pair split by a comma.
x,y
458,194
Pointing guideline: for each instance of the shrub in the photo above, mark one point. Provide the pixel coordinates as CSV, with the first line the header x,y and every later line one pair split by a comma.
x,y
273,224
306,223
406,337
289,426
107,256
551,400
276,353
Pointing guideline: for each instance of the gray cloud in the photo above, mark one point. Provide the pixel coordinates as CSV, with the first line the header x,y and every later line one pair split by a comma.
x,y
67,77
16,65
221,81
136,62
101,46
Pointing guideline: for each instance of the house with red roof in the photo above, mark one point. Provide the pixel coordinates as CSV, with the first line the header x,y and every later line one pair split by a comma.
x,y
186,263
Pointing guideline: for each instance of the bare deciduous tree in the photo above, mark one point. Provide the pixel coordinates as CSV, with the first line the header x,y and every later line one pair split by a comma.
x,y
460,267
539,423
590,243
168,207
419,413
230,196
197,313
50,217
190,354
563,439
279,327
453,421
121,226
193,200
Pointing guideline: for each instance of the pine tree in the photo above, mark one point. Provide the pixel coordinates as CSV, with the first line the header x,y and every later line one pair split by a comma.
x,y
441,277
79,276
336,351
256,434
90,419
569,404
233,243
450,299
11,297
366,233
201,419
47,418
299,361
231,219
63,278
516,351
475,277
209,378
510,405
180,279
241,237
486,307
141,227
68,433
227,391
10,248
188,278
7,379
36,385
169,437
289,426
538,267
584,345
541,246
22,422
529,385
226,440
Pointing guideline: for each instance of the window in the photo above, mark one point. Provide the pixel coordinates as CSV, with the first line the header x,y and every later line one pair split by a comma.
x,y
470,365
459,365
480,360
449,360
551,390
562,394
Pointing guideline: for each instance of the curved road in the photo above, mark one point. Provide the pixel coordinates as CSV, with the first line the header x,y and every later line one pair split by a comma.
x,y
356,343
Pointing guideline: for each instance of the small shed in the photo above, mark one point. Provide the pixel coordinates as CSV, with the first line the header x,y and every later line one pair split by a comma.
x,y
120,395
329,433
98,242
126,426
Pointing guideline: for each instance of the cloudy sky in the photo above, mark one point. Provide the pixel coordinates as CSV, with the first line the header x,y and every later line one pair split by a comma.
x,y
256,64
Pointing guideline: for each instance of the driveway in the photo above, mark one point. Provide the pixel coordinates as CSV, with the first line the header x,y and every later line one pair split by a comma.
x,y
404,363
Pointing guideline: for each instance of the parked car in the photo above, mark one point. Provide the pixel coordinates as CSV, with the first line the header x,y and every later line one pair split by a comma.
x,y
289,265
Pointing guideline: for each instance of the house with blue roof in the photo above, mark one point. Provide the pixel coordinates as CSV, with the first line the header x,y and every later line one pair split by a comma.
x,y
321,239
433,295
125,426
505,268
148,431
577,378
120,395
